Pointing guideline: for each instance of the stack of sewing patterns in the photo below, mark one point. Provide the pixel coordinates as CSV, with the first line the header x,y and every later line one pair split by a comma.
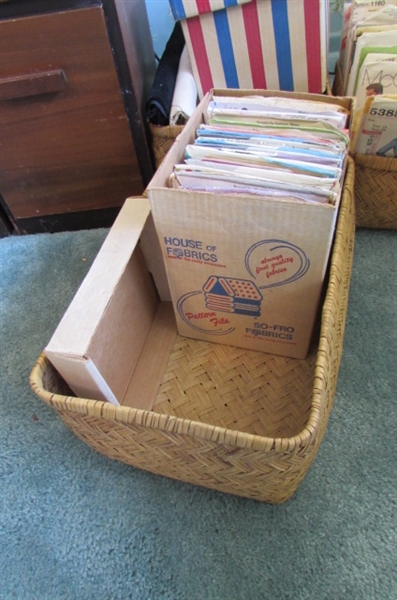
x,y
368,51
268,146
368,62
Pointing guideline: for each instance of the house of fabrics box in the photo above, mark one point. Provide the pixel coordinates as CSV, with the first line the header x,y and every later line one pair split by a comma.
x,y
242,271
256,44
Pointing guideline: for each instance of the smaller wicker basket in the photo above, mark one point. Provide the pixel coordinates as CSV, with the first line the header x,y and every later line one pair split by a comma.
x,y
162,138
375,183
376,191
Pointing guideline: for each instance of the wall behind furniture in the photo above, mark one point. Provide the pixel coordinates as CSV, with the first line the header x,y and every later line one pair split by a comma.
x,y
161,23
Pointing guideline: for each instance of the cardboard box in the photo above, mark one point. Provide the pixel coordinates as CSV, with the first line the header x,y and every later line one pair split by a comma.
x,y
257,44
100,338
242,271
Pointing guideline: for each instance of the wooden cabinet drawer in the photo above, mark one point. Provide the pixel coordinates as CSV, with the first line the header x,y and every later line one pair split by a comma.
x,y
64,147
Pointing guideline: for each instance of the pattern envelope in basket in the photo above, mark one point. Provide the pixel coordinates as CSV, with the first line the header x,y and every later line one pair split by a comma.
x,y
237,421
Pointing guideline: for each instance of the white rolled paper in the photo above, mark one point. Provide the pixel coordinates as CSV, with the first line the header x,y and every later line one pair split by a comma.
x,y
184,99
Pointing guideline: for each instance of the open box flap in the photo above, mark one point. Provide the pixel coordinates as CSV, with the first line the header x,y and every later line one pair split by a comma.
x,y
75,330
84,377
101,335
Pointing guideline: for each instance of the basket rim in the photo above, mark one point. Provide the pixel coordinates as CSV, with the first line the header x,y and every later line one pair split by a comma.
x,y
371,161
124,415
170,424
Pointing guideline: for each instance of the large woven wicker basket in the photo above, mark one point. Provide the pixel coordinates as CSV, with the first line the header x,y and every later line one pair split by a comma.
x,y
238,421
375,183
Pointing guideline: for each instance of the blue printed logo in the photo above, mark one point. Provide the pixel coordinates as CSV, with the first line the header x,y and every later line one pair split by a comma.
x,y
271,263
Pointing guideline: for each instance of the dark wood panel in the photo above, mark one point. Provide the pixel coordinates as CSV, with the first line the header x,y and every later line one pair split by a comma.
x,y
70,150
75,221
7,225
22,8
4,231
131,41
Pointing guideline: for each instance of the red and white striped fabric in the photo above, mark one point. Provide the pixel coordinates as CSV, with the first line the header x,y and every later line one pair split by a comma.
x,y
261,44
184,9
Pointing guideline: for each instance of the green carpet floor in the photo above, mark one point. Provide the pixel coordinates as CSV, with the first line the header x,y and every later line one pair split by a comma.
x,y
75,525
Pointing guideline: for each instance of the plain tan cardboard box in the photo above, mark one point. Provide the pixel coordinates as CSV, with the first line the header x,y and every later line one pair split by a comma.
x,y
99,340
242,271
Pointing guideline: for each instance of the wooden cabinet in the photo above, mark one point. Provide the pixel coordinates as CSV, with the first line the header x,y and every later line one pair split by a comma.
x,y
73,137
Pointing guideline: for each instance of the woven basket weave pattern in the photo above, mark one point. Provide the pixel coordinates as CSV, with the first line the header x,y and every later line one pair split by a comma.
x,y
277,394
376,191
246,423
162,139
